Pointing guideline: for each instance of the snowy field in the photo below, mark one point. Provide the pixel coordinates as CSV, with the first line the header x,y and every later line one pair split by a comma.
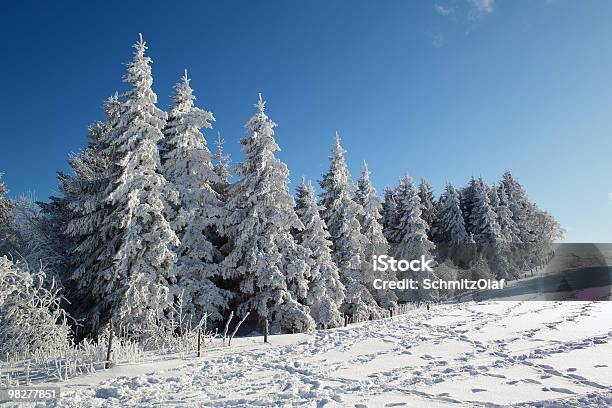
x,y
500,353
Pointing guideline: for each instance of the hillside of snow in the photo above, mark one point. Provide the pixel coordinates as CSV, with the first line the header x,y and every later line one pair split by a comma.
x,y
502,353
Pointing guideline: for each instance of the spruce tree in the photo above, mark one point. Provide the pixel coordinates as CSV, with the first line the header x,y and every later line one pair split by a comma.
x,y
377,244
78,215
520,207
453,240
326,292
6,205
451,225
411,237
411,227
341,215
195,218
467,196
389,213
221,167
504,215
134,289
270,267
428,203
534,227
6,219
482,216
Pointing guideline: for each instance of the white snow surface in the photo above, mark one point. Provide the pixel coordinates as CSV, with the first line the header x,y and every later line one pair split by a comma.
x,y
541,354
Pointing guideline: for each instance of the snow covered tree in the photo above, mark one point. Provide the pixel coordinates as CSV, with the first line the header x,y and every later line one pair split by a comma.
x,y
32,323
37,238
411,227
79,215
428,203
326,292
134,288
487,233
6,205
482,216
451,225
410,234
493,196
534,228
520,207
341,215
467,196
479,269
195,218
270,267
221,167
377,244
389,213
504,215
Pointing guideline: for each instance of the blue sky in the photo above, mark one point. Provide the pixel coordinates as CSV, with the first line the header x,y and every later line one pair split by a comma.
x,y
441,89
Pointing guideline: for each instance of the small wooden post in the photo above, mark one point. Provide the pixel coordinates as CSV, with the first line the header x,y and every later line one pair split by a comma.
x,y
109,351
266,331
391,311
200,342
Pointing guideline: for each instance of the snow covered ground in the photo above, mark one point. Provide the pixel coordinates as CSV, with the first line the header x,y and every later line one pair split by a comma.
x,y
501,353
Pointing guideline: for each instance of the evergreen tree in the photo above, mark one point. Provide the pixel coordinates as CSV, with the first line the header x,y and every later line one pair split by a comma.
x,y
451,225
79,215
504,215
482,217
411,227
53,245
341,215
326,293
453,240
411,236
520,207
27,238
428,203
467,196
6,219
493,196
270,267
186,164
221,167
389,213
377,244
134,289
533,227
6,205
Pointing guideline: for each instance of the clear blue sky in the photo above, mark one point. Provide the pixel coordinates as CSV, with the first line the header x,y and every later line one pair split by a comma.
x,y
442,89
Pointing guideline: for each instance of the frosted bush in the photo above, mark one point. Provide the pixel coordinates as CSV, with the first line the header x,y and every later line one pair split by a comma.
x,y
31,319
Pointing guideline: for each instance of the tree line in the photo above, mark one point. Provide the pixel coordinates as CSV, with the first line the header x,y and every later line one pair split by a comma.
x,y
149,217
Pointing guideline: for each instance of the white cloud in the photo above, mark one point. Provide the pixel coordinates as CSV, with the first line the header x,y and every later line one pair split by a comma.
x,y
483,6
437,39
444,10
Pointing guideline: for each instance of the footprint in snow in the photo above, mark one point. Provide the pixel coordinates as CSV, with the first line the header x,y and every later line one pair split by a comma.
x,y
556,389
